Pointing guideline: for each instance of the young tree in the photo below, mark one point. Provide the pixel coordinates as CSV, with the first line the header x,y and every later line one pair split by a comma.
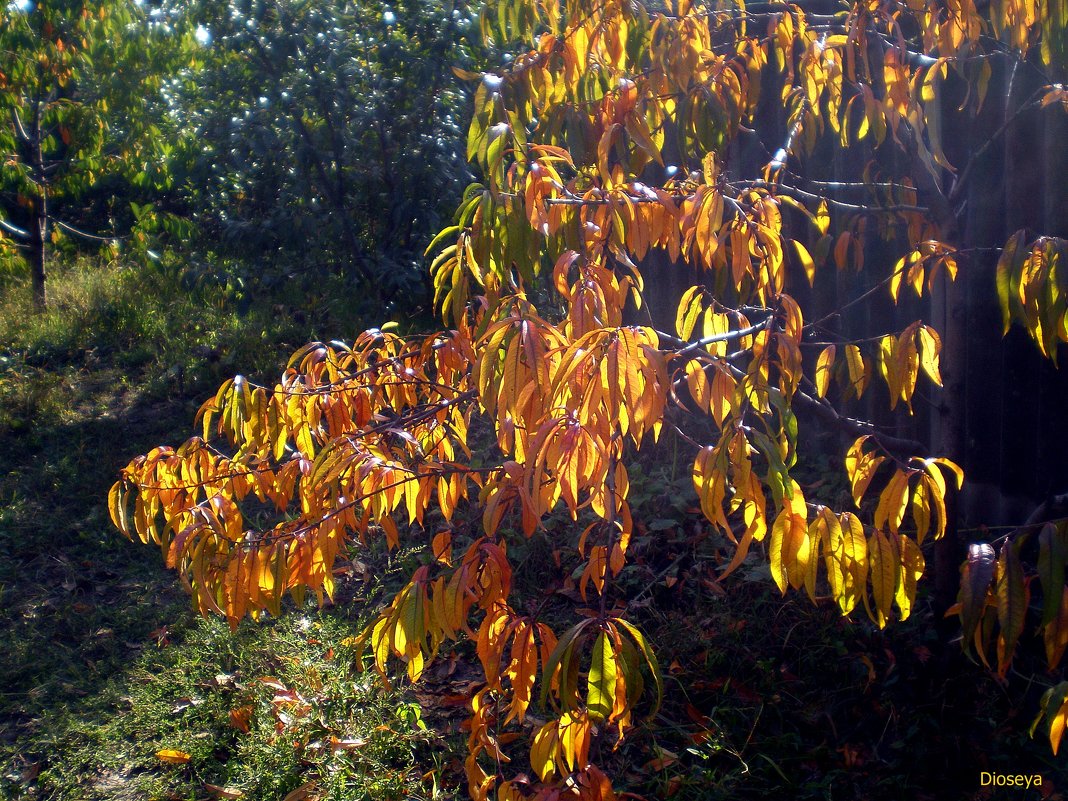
x,y
323,135
749,168
78,83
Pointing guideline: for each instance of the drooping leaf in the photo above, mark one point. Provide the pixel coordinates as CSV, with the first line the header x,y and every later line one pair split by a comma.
x,y
601,692
1055,632
824,366
1052,553
1012,604
976,576
885,567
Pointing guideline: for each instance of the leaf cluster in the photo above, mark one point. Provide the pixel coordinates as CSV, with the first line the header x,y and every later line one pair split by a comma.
x,y
550,258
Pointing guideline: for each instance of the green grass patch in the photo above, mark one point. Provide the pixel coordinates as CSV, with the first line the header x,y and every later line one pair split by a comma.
x,y
273,708
118,365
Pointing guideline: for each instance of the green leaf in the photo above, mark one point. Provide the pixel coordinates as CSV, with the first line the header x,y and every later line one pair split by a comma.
x,y
1008,264
650,660
563,648
975,581
601,685
1052,550
1012,604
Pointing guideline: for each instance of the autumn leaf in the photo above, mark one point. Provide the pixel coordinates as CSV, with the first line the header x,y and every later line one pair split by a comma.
x,y
240,717
229,793
172,756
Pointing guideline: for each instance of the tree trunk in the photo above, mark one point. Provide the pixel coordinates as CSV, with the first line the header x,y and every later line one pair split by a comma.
x,y
951,417
949,307
39,240
39,252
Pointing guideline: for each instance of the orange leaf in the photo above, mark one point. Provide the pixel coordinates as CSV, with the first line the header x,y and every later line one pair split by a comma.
x,y
442,547
240,717
172,756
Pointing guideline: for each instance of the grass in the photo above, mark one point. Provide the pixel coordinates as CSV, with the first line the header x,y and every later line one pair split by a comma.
x,y
262,713
87,694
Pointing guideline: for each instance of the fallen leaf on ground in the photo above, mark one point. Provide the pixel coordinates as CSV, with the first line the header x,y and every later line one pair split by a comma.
x,y
222,792
172,756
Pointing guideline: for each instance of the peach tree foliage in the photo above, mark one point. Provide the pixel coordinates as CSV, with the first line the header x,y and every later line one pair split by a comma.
x,y
548,256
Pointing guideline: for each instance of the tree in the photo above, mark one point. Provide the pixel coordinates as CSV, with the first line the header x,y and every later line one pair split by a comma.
x,y
79,91
322,134
752,168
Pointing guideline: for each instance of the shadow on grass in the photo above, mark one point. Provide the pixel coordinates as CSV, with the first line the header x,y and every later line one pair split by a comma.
x,y
87,688
78,601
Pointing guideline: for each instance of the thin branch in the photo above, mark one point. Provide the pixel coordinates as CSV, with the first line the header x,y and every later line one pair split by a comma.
x,y
19,127
14,230
84,234
860,298
958,185
803,195
725,337
833,186
826,413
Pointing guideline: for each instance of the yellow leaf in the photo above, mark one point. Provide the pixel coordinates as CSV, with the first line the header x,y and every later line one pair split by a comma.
x,y
950,465
574,734
521,670
832,551
1012,598
921,508
892,502
912,565
789,550
688,312
117,508
888,367
710,482
697,381
858,370
722,396
824,366
442,547
544,750
1057,726
807,264
823,218
650,660
851,559
710,167
930,346
860,468
884,572
172,756
817,536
